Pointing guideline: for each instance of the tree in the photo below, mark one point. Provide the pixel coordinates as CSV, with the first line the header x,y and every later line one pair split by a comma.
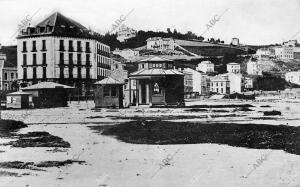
x,y
169,30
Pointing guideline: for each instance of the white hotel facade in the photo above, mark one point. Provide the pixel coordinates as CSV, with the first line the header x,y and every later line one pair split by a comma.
x,y
61,50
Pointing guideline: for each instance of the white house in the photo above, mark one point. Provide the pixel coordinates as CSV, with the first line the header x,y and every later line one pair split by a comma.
x,y
287,50
248,83
293,77
236,82
61,50
233,67
8,67
126,53
254,67
220,84
206,67
125,33
200,81
160,44
265,52
227,83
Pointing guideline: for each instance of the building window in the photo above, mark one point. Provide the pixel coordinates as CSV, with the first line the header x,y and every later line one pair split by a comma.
x,y
87,47
79,49
24,73
88,60
33,59
34,73
5,76
79,59
71,45
5,86
24,47
61,72
44,73
87,73
61,45
114,91
106,91
24,59
44,59
61,58
34,46
12,76
71,58
79,72
43,45
71,72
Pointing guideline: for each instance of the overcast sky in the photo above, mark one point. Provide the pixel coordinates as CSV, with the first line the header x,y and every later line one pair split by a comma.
x,y
253,21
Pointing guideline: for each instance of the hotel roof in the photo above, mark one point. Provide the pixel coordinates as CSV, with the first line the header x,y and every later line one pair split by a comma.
x,y
58,25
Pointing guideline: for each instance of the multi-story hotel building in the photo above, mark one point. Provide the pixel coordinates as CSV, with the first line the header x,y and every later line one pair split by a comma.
x,y
61,50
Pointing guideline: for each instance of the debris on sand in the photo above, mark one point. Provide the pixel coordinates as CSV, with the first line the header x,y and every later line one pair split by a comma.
x,y
39,139
257,136
7,173
36,166
265,106
8,127
272,113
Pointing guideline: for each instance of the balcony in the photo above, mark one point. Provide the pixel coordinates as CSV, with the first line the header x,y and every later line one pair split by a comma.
x,y
61,48
34,50
71,49
79,49
88,50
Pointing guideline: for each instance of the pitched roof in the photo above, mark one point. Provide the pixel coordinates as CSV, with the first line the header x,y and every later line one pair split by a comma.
x,y
155,72
109,80
19,93
59,25
46,85
11,55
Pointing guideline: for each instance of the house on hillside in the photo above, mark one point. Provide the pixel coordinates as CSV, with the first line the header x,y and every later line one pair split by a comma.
x,y
160,44
126,53
206,67
8,68
124,33
158,83
293,77
287,50
233,67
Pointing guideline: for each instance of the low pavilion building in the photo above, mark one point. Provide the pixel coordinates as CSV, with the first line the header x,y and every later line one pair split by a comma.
x,y
158,83
109,93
